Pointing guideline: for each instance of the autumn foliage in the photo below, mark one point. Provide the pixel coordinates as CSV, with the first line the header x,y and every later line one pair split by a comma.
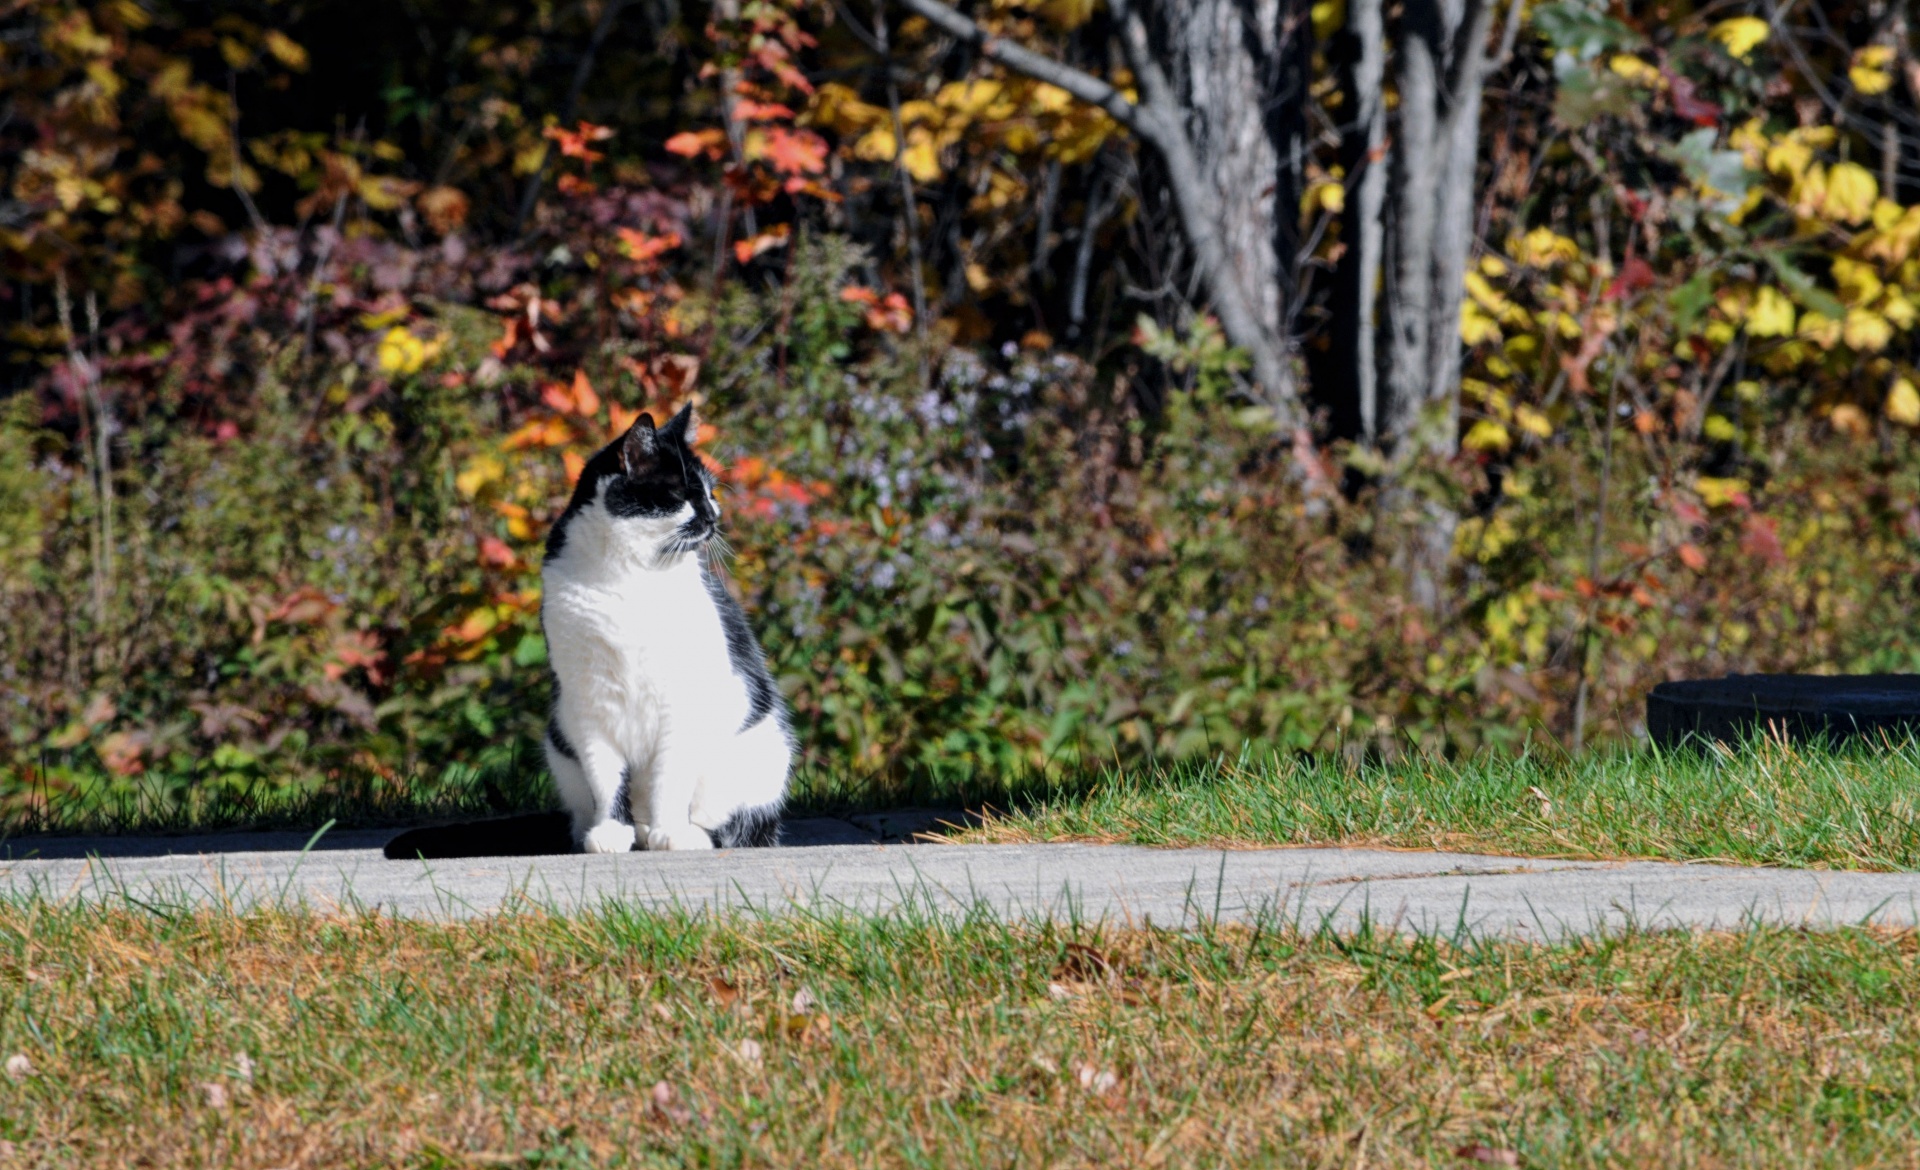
x,y
305,350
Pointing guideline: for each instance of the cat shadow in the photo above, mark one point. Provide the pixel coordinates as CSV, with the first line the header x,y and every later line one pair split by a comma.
x,y
541,834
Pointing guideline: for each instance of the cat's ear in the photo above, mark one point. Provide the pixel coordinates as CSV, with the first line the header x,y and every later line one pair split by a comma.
x,y
640,447
679,427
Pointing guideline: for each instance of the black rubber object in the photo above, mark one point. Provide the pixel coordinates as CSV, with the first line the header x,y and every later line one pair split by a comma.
x,y
1803,707
528,835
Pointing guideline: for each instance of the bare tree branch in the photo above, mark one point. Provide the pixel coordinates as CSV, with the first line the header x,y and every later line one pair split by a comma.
x,y
1161,122
1085,86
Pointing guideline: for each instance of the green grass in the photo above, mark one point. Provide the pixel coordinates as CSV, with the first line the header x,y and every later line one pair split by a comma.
x,y
1764,804
625,1038
1767,804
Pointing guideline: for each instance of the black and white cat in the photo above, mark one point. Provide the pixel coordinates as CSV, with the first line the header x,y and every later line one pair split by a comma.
x,y
667,729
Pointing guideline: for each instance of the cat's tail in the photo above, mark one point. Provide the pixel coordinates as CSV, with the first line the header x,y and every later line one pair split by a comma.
x,y
755,827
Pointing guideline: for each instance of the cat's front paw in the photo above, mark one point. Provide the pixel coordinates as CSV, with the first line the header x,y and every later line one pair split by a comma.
x,y
608,837
679,837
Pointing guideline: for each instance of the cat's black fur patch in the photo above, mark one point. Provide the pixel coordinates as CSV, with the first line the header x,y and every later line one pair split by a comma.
x,y
743,650
623,798
749,828
559,738
650,473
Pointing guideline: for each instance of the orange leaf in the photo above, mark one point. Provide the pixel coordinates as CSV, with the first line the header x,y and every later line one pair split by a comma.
x,y
761,111
585,402
640,246
692,143
1692,557
796,152
575,463
767,241
622,418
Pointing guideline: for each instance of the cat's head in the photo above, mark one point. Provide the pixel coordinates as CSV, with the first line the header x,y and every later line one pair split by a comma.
x,y
652,487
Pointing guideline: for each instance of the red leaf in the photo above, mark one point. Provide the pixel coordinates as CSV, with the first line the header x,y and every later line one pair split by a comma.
x,y
1635,275
1697,110
1761,540
494,552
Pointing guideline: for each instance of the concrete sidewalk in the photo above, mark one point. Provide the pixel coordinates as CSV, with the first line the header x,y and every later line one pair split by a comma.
x,y
1506,896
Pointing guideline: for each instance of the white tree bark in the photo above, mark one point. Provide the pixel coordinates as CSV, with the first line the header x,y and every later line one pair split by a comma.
x,y
1441,66
1223,173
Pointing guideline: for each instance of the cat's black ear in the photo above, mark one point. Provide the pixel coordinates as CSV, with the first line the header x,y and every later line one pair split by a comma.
x,y
678,427
640,447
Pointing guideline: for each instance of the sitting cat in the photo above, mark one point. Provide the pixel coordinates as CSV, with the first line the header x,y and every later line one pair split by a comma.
x,y
667,729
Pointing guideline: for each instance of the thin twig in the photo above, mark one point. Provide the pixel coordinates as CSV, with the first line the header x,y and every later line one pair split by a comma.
x,y
910,204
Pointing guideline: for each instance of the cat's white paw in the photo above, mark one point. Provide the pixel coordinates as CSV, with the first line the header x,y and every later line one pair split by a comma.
x,y
679,837
608,837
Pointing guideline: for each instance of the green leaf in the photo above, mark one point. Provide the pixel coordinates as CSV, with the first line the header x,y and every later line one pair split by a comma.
x,y
1690,300
1803,288
1572,27
1723,171
1584,96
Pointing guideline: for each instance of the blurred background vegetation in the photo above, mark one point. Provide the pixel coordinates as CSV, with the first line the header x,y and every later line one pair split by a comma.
x,y
312,311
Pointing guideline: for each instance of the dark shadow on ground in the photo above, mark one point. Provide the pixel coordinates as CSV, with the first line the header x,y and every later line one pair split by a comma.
x,y
526,835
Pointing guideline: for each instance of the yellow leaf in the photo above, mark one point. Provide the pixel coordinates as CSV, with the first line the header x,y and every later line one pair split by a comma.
x,y
1533,422
286,50
1327,196
1851,191
1493,266
1718,492
921,159
1718,429
400,352
1820,329
1899,310
1858,283
1490,298
1903,404
838,107
480,471
1487,435
1475,325
1328,17
968,98
876,145
1869,70
1543,247
1771,315
1867,331
1741,35
1637,71
1789,158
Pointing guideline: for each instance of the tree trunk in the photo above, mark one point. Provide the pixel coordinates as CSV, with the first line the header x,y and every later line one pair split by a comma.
x,y
1222,93
1440,69
1239,69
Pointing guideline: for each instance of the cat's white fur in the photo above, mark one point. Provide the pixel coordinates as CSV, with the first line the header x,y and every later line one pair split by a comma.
x,y
647,690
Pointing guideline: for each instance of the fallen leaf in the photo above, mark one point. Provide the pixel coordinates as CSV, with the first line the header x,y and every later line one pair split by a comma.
x,y
750,1052
1491,1155
664,1103
804,1001
215,1094
19,1067
1098,1081
723,991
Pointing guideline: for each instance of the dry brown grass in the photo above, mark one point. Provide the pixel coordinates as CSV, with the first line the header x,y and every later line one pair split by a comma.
x,y
625,1038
